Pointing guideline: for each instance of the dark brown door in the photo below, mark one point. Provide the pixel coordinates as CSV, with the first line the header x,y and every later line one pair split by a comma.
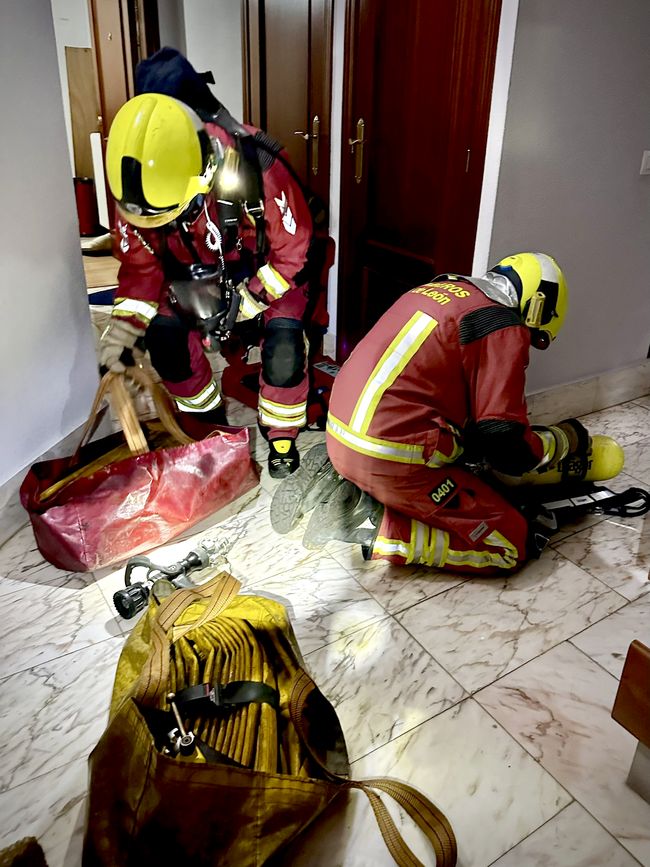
x,y
288,47
416,106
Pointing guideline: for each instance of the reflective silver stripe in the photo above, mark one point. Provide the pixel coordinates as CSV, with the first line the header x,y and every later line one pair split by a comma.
x,y
438,546
212,404
376,448
419,535
274,421
273,281
390,547
483,559
549,268
401,350
198,400
131,307
281,409
548,444
250,306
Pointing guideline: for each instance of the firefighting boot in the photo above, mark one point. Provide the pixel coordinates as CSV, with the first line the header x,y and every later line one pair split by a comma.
x,y
284,458
215,416
350,515
312,483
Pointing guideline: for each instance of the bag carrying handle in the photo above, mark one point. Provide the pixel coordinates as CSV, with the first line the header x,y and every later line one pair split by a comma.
x,y
162,401
218,592
431,821
113,385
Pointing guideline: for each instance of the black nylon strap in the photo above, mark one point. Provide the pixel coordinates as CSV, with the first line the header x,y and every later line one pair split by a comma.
x,y
214,757
229,695
630,504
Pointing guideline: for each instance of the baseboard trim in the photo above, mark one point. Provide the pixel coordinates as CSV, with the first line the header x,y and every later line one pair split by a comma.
x,y
590,395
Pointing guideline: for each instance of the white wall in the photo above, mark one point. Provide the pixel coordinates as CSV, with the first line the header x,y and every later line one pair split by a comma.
x,y
47,358
171,23
578,119
72,28
213,42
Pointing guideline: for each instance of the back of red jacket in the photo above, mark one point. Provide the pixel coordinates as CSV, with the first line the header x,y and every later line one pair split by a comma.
x,y
442,356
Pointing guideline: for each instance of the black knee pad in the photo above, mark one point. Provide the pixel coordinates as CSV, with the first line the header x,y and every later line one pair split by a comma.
x,y
166,342
283,353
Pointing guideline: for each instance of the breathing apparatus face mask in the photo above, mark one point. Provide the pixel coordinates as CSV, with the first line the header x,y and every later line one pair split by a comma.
x,y
206,301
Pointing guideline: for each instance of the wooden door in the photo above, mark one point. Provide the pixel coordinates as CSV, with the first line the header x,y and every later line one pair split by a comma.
x,y
287,71
84,106
417,90
123,33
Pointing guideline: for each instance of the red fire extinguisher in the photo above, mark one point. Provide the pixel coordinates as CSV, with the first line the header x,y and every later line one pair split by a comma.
x,y
84,193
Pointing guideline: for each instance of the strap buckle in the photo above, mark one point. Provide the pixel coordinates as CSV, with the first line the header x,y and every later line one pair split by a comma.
x,y
207,696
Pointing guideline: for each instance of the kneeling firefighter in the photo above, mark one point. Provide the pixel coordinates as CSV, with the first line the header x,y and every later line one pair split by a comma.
x,y
211,225
441,377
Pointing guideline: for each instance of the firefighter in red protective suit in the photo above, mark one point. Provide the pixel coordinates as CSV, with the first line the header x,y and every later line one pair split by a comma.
x,y
442,373
196,198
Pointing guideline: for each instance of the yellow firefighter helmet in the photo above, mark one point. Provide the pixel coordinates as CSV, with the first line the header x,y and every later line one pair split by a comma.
x,y
542,293
158,159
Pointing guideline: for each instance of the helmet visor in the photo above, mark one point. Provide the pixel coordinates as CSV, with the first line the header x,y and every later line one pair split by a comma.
x,y
152,219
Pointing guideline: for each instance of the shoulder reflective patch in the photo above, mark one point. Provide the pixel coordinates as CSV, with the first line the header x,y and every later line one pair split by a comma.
x,y
444,491
124,236
288,220
479,323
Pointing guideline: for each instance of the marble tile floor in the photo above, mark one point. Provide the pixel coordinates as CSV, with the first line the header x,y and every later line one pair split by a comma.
x,y
492,696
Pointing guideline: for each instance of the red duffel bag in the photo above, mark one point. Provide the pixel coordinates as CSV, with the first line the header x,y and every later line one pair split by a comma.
x,y
113,499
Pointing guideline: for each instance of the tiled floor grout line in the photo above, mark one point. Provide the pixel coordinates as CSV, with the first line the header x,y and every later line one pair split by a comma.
x,y
47,661
534,831
550,773
523,747
552,818
469,692
60,768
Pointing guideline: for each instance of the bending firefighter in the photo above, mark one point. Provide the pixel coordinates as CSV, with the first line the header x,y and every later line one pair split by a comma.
x,y
205,203
438,379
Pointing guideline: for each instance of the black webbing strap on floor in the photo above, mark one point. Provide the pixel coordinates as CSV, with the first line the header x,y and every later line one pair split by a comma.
x,y
629,504
206,696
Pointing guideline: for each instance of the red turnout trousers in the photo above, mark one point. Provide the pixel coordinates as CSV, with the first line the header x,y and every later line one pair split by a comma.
x,y
446,517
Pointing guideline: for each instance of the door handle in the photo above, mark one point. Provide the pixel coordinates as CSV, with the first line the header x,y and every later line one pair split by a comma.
x,y
315,136
301,133
356,147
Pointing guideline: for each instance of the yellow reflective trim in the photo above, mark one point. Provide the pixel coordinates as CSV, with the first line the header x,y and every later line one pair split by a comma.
x,y
390,547
250,307
277,421
402,453
201,397
436,551
212,403
483,559
438,459
131,307
419,541
273,281
282,409
398,354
